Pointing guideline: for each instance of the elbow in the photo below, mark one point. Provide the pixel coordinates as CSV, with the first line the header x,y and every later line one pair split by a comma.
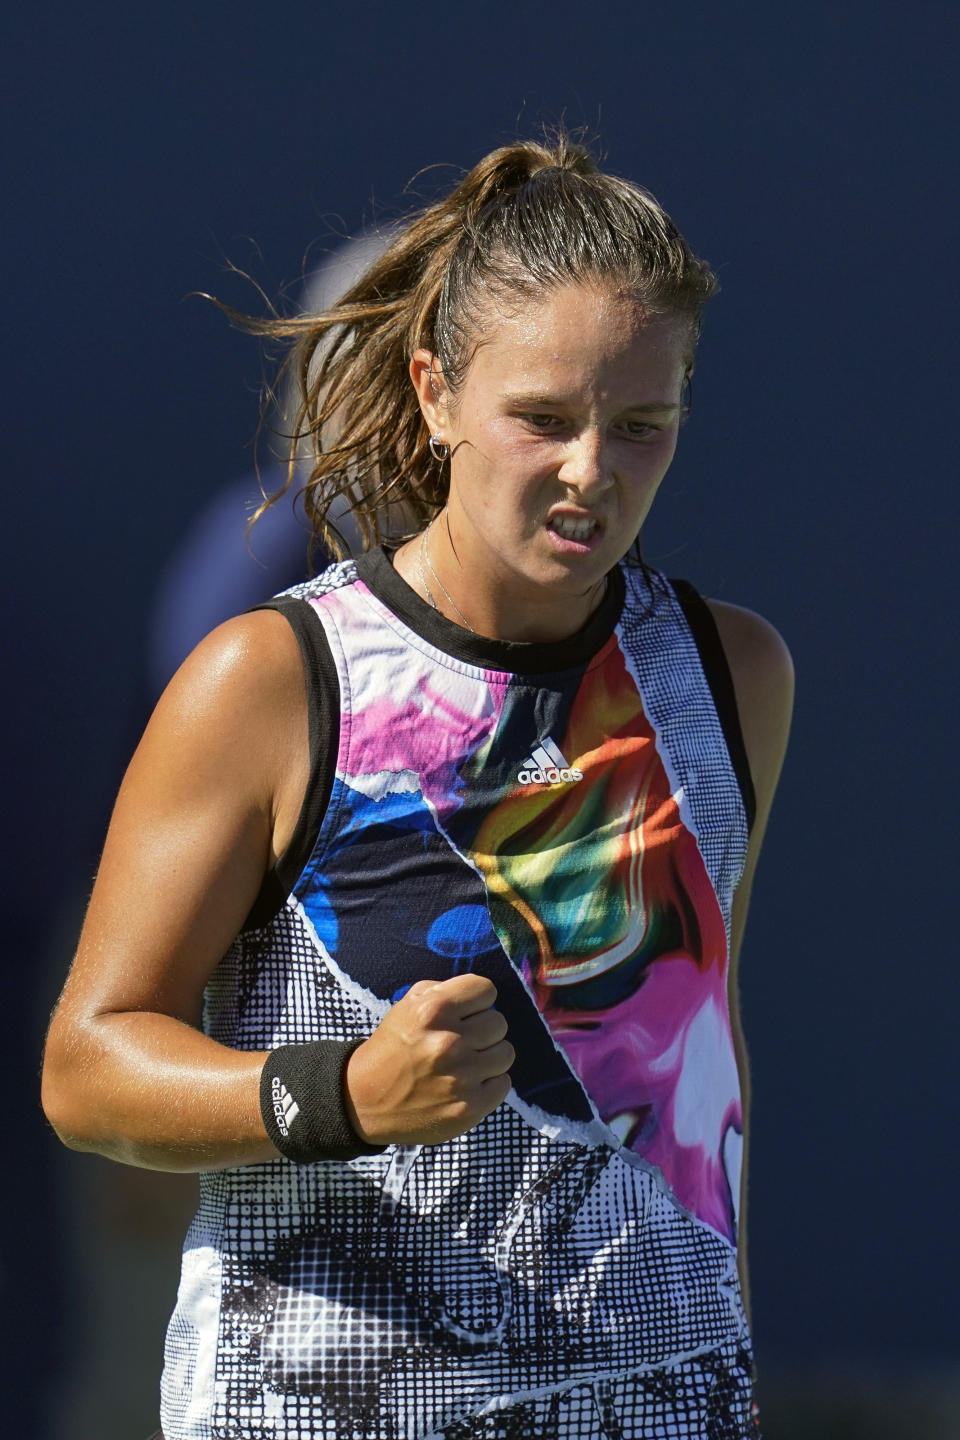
x,y
56,1107
61,1093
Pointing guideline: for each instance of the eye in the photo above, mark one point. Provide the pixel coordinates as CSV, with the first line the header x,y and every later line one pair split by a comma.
x,y
541,422
639,429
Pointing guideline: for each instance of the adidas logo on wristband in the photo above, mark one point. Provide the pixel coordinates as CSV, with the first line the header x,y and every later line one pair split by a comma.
x,y
285,1108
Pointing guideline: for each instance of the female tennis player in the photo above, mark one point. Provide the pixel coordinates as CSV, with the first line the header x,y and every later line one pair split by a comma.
x,y
417,922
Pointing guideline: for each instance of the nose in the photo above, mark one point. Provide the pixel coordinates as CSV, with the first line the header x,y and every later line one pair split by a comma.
x,y
585,467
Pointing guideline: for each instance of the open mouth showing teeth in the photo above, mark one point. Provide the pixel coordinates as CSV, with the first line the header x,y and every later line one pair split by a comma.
x,y
572,529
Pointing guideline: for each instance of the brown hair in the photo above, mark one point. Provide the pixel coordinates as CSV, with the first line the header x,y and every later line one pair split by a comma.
x,y
527,218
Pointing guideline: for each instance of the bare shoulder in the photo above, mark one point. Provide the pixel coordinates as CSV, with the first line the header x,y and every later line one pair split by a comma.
x,y
251,657
232,720
756,651
763,679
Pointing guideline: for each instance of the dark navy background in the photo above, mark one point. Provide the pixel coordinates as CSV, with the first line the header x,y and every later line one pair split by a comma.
x,y
804,149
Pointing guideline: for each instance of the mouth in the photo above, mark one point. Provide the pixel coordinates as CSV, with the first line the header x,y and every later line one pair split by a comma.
x,y
579,529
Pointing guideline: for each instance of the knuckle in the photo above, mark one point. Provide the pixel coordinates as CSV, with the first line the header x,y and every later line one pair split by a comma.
x,y
473,984
496,1027
442,1046
443,1093
429,1006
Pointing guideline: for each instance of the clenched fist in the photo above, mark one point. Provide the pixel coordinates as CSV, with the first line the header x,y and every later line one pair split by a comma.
x,y
436,1064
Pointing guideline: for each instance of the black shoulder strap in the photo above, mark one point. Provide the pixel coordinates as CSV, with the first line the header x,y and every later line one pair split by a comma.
x,y
323,719
704,630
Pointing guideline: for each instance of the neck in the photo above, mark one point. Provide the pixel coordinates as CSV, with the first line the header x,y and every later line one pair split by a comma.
x,y
471,596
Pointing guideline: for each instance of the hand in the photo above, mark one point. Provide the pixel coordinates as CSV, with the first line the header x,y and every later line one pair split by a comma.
x,y
436,1064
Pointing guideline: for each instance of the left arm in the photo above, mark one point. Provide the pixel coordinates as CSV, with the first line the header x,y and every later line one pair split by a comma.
x,y
763,680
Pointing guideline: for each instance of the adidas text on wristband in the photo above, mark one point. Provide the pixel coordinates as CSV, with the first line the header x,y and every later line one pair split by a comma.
x,y
302,1102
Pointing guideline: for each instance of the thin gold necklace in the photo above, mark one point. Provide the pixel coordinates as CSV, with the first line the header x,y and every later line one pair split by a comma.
x,y
424,554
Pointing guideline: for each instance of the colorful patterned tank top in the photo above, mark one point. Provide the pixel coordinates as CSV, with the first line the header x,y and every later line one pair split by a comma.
x,y
570,820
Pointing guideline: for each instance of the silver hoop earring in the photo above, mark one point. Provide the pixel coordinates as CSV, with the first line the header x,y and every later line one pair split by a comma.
x,y
439,449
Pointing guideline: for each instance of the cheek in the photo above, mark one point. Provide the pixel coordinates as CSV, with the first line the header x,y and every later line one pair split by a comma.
x,y
497,457
670,449
499,439
650,468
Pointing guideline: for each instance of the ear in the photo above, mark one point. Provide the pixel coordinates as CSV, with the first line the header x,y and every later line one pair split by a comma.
x,y
431,388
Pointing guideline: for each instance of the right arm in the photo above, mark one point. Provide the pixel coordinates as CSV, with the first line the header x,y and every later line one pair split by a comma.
x,y
209,801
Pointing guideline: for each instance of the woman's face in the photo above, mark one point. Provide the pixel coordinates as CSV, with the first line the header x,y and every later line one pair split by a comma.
x,y
560,435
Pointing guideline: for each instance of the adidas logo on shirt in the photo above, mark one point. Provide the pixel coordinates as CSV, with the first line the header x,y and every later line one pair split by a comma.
x,y
285,1108
546,766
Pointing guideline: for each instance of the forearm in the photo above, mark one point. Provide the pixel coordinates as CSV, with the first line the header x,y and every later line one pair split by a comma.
x,y
149,1090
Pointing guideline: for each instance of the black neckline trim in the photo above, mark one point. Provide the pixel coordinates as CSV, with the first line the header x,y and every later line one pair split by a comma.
x,y
513,657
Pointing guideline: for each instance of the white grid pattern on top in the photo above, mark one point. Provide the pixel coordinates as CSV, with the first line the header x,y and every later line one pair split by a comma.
x,y
666,666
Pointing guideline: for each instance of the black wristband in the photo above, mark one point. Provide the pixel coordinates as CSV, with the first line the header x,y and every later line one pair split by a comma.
x,y
302,1104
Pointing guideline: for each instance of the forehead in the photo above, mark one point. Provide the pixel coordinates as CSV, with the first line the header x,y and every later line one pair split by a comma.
x,y
578,336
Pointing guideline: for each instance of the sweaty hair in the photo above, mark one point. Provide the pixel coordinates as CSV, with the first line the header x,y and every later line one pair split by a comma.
x,y
528,218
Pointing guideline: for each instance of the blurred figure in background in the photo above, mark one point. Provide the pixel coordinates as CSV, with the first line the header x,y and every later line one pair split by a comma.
x,y
220,567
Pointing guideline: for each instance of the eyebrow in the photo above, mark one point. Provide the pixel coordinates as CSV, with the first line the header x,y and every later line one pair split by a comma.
x,y
654,407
